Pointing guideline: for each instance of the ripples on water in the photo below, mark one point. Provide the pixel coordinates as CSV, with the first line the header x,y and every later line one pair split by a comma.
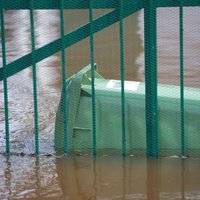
x,y
82,177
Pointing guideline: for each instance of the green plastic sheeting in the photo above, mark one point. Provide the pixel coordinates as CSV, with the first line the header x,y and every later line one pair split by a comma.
x,y
108,116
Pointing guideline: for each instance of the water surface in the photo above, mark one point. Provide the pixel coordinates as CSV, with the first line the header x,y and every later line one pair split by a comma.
x,y
82,177
106,177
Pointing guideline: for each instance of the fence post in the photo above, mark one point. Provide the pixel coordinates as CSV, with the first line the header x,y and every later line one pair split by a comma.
x,y
64,102
182,103
3,42
123,108
34,78
92,76
150,48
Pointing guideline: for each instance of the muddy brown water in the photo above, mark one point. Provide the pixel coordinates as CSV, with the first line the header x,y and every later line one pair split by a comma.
x,y
83,177
106,177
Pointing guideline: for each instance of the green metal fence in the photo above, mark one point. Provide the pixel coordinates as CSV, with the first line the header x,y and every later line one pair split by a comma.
x,y
120,9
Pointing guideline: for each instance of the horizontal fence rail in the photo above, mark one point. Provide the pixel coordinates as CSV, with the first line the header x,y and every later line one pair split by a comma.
x,y
70,39
84,4
131,6
120,9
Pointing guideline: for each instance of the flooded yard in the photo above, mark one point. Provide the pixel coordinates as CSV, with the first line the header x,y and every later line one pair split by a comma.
x,y
106,177
102,178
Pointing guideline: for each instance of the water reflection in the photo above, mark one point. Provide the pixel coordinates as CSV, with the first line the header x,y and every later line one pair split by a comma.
x,y
130,178
99,178
25,177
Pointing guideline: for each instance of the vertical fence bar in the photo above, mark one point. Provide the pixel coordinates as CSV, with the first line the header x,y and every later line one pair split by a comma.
x,y
121,11
34,75
3,43
92,75
182,79
62,30
151,78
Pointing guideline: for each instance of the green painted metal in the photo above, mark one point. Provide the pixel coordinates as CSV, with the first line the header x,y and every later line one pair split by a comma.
x,y
67,4
3,43
176,3
182,108
151,78
69,39
34,75
64,92
92,76
109,128
82,4
83,84
121,30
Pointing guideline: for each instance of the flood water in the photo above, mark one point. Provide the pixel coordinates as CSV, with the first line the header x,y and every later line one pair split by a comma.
x,y
103,178
82,177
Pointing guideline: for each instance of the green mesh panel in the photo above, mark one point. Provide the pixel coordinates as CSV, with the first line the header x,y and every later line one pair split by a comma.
x,y
144,98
